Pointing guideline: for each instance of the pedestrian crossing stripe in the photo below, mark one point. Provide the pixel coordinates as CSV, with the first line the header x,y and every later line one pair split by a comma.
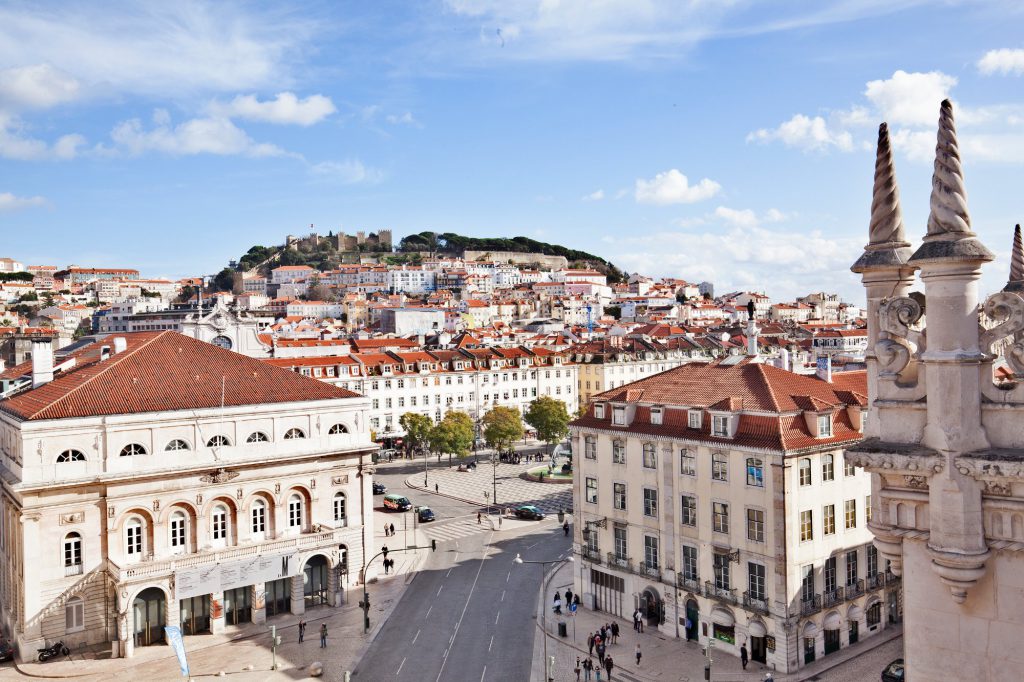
x,y
451,531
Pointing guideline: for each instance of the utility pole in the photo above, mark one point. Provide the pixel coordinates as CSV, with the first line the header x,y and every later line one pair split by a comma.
x,y
365,603
274,642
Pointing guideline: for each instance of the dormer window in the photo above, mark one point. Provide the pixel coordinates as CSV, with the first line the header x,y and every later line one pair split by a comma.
x,y
599,411
720,426
824,426
618,416
656,415
694,419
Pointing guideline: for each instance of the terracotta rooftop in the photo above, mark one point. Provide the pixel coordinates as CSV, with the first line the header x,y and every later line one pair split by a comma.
x,y
158,372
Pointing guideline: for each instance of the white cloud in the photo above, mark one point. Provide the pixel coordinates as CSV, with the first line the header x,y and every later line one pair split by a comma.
x,y
808,134
36,87
740,218
10,202
910,98
17,144
1005,62
597,195
918,145
211,135
672,187
348,172
406,119
285,108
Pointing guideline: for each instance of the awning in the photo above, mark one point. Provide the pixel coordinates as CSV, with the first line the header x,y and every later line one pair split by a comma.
x,y
757,629
855,613
723,617
833,621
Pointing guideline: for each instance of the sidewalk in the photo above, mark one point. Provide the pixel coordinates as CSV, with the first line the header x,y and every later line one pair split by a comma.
x,y
471,486
664,658
244,652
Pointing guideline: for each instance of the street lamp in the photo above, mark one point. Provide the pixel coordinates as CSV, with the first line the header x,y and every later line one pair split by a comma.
x,y
520,560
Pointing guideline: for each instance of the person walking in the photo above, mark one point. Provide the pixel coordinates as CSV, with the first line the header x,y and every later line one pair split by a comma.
x,y
479,518
302,630
600,652
638,654
437,488
392,530
608,665
578,669
588,668
565,528
590,644
615,632
636,620
568,598
323,635
743,656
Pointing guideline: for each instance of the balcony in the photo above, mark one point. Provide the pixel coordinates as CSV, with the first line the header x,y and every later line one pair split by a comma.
x,y
876,581
72,569
855,589
623,562
809,606
720,593
832,597
650,569
692,584
592,554
755,603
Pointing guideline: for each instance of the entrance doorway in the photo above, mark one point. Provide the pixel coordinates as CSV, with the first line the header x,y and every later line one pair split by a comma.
x,y
195,615
279,596
150,617
238,605
831,641
314,581
808,650
758,650
650,604
854,631
692,618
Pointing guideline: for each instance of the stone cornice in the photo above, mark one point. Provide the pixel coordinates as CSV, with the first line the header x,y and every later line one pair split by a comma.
x,y
912,459
996,463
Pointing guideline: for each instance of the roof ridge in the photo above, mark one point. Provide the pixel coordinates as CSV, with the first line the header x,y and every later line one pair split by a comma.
x,y
768,385
124,355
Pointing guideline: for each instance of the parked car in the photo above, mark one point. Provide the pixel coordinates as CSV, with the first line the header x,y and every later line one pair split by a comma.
x,y
379,488
528,511
894,672
425,514
6,651
397,503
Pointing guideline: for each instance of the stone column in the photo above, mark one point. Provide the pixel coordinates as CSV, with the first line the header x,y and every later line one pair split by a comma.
x,y
217,620
172,611
32,636
298,595
126,631
259,603
333,591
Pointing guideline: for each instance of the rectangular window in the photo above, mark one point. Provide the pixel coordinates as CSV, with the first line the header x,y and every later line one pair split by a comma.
x,y
599,411
294,513
74,615
849,469
687,463
620,543
829,574
618,452
650,502
805,471
874,613
807,583
619,416
693,418
828,468
756,580
851,567
720,517
719,467
722,578
589,445
690,562
824,426
828,519
872,564
688,514
806,526
592,490
755,525
720,426
650,460
755,472
850,513
656,415
619,495
867,509
651,551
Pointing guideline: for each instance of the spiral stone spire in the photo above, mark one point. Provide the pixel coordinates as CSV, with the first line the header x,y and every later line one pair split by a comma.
x,y
887,244
1016,282
949,224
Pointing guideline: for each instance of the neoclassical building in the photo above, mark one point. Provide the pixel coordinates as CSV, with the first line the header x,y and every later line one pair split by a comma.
x,y
152,479
717,498
943,442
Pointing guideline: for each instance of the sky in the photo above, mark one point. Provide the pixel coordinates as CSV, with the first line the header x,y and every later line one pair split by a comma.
x,y
722,140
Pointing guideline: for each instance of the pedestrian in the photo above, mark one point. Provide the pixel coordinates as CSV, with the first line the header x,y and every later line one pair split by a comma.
x,y
600,651
615,632
588,667
565,528
479,518
384,551
323,635
636,620
568,597
392,530
638,654
578,669
743,656
302,629
436,487
608,665
576,599
590,644
597,672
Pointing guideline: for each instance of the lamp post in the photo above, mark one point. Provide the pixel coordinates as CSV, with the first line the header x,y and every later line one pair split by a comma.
x,y
519,560
365,604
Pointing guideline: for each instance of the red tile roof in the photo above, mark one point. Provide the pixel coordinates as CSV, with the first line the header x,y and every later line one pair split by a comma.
x,y
158,372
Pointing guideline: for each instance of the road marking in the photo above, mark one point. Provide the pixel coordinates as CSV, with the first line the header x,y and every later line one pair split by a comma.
x,y
448,573
399,671
439,590
490,645
483,673
416,637
503,595
428,611
509,575
465,605
496,617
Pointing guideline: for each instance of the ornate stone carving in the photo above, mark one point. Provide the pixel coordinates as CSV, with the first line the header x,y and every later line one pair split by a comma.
x,y
110,512
895,462
156,505
199,499
277,488
980,469
219,476
72,517
1002,489
920,482
895,317
339,480
238,493
1006,308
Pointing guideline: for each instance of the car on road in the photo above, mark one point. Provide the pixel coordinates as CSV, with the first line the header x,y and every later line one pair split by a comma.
x,y
425,514
397,503
528,511
379,488
894,672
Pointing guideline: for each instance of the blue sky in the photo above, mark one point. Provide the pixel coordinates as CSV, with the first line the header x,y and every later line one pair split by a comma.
x,y
724,140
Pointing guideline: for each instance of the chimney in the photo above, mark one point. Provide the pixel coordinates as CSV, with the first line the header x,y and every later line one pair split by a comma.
x,y
120,344
824,368
104,353
42,362
784,359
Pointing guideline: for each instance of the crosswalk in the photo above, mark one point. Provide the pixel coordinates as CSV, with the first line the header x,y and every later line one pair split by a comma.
x,y
453,530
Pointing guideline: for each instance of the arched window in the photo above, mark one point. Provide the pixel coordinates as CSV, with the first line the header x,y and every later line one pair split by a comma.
x,y
257,437
828,467
337,429
72,554
293,434
259,518
175,445
74,615
133,537
650,461
218,441
295,511
179,531
805,471
339,508
132,449
219,524
70,456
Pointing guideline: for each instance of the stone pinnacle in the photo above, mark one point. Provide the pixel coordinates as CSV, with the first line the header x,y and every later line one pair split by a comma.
x,y
887,244
1016,282
949,196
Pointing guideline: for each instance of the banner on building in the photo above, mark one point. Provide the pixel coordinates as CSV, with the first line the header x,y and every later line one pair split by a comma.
x,y
256,570
175,641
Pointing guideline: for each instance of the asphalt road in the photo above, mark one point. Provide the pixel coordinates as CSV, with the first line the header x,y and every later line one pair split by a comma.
x,y
469,613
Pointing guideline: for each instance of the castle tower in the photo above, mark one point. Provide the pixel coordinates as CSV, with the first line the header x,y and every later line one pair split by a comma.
x,y
944,445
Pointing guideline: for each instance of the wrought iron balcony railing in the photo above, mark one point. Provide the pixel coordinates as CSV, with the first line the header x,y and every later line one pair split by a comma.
x,y
720,593
755,603
809,606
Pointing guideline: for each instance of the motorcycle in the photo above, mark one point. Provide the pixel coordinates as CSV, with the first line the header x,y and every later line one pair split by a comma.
x,y
52,651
